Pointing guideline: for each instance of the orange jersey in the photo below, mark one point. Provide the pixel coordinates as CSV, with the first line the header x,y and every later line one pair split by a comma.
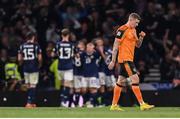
x,y
127,38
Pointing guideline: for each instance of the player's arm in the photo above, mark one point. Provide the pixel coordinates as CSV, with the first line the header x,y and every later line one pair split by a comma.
x,y
119,37
114,54
73,51
40,59
54,52
101,52
140,39
115,50
39,55
20,56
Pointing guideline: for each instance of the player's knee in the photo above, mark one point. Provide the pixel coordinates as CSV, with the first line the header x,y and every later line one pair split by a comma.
x,y
134,79
120,82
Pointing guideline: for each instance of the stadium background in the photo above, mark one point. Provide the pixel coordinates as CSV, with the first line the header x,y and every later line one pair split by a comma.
x,y
87,19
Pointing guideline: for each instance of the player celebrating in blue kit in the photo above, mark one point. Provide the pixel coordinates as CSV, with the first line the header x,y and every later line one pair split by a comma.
x,y
64,50
30,57
90,59
78,71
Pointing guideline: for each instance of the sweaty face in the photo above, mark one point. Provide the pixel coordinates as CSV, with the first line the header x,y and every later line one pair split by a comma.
x,y
134,22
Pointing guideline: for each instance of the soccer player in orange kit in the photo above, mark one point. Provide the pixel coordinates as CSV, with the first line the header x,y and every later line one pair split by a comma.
x,y
124,45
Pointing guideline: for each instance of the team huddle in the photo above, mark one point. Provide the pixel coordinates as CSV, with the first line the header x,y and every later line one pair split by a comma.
x,y
82,67
87,69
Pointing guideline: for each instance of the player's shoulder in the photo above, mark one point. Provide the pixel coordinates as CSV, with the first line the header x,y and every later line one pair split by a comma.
x,y
120,31
123,28
23,45
82,53
58,41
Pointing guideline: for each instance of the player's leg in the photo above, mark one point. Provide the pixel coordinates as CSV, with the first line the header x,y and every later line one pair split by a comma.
x,y
67,86
131,70
77,91
93,85
84,90
34,78
31,80
117,93
62,89
110,82
68,77
138,94
27,84
118,87
101,93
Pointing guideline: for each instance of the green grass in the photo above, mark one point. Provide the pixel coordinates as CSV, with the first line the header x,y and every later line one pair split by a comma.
x,y
48,112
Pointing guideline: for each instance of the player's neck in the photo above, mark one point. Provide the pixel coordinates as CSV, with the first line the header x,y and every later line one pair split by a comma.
x,y
128,25
89,53
66,39
30,41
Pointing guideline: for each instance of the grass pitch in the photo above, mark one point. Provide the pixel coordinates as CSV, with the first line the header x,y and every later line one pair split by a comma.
x,y
58,112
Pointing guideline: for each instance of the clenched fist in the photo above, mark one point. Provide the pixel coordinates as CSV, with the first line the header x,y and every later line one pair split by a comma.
x,y
142,34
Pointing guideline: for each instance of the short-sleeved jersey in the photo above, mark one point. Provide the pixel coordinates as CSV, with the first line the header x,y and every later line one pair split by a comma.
x,y
127,38
90,64
64,51
104,63
108,53
30,52
78,71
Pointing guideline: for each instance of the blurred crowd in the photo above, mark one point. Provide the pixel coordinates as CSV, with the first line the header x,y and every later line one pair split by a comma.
x,y
88,19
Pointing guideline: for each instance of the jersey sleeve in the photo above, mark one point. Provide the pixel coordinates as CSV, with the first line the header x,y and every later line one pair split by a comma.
x,y
55,49
73,50
20,50
119,34
38,49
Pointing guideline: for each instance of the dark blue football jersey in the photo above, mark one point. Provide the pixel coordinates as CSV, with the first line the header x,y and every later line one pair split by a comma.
x,y
90,64
65,51
30,53
108,53
78,71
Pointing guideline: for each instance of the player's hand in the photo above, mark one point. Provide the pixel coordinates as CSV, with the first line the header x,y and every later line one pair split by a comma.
x,y
100,48
142,34
111,65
